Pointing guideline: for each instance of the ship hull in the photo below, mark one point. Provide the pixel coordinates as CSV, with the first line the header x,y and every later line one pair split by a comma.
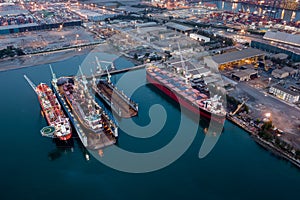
x,y
189,106
68,112
63,137
91,140
114,99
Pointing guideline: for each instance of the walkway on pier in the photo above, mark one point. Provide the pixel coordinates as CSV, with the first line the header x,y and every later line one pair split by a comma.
x,y
117,71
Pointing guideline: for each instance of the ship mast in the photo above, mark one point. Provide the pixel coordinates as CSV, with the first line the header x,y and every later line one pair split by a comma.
x,y
93,78
108,75
182,64
99,68
84,81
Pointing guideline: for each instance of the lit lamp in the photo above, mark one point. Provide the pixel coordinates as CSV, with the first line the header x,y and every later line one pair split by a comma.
x,y
268,116
77,36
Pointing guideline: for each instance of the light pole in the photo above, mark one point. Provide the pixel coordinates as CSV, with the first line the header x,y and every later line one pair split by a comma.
x,y
268,116
77,36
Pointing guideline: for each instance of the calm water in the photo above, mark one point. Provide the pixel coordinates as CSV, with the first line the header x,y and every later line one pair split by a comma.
x,y
287,15
34,167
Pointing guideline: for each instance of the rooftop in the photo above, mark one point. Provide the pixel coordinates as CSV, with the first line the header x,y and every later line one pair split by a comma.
x,y
283,37
237,55
245,73
285,90
179,26
18,26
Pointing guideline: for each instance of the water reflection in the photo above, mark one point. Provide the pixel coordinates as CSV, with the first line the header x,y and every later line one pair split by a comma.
x,y
62,147
234,6
282,14
293,16
67,147
288,15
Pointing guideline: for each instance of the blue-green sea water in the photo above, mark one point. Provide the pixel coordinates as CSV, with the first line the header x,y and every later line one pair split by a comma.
x,y
35,167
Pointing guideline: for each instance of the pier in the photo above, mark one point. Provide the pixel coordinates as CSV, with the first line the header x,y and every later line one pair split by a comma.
x,y
117,71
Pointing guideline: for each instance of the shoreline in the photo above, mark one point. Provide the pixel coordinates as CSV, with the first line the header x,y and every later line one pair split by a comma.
x,y
26,61
265,144
31,60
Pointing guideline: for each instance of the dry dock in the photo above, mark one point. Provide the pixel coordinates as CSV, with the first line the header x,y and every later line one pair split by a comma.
x,y
117,100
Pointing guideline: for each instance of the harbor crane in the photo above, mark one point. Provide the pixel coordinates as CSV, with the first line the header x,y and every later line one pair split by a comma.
x,y
238,108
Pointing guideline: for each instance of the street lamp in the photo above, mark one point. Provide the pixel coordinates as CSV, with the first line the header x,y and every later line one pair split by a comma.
x,y
77,36
268,115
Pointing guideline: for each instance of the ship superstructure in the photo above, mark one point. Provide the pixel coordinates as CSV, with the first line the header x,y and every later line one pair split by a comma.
x,y
95,129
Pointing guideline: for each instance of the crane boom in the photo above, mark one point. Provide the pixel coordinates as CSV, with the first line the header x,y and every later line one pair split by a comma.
x,y
33,86
181,58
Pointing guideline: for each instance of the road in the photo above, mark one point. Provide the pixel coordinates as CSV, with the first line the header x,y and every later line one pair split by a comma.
x,y
284,116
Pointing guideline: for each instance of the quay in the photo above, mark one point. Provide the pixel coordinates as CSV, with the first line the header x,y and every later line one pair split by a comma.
x,y
253,132
116,71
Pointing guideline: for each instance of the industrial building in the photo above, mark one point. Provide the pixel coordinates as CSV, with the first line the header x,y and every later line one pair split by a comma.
x,y
278,73
279,42
283,37
284,94
291,70
179,27
199,37
195,71
35,27
284,72
245,75
144,25
94,16
234,59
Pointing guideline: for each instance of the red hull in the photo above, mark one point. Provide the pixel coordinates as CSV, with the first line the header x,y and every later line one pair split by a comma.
x,y
185,103
54,108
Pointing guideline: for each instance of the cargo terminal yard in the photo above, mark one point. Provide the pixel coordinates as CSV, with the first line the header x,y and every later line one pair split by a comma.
x,y
35,41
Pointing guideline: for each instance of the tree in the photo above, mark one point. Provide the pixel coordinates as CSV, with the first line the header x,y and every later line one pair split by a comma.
x,y
267,126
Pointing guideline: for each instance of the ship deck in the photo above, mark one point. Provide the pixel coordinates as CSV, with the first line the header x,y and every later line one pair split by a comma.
x,y
95,141
118,104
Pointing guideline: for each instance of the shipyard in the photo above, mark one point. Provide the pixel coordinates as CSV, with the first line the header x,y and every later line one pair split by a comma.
x,y
173,37
187,92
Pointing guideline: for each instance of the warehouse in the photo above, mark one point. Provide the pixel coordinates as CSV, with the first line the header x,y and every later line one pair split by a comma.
x,y
179,27
200,38
234,59
245,75
284,94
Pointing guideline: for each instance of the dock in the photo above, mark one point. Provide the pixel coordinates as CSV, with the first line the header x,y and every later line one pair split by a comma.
x,y
253,132
116,71
117,100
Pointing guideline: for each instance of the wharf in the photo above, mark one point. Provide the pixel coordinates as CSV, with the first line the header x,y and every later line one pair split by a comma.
x,y
253,132
116,71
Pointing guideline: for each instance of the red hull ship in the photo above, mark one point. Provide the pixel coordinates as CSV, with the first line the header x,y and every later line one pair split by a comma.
x,y
53,113
183,93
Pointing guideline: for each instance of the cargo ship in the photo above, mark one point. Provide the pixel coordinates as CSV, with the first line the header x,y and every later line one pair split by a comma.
x,y
95,129
181,91
59,125
114,98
